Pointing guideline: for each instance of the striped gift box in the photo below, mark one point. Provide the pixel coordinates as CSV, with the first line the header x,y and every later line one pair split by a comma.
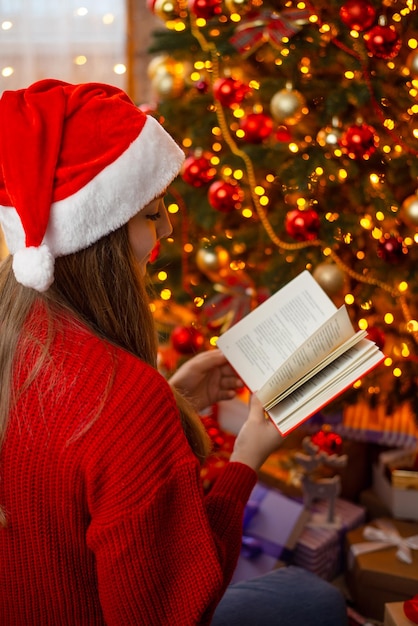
x,y
320,549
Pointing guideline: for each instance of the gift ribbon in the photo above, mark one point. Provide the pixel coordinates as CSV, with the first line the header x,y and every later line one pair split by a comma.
x,y
268,26
384,536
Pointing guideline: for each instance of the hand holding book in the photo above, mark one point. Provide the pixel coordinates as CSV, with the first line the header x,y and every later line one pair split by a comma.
x,y
298,351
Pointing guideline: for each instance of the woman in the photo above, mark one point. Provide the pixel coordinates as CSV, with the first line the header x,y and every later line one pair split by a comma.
x,y
103,518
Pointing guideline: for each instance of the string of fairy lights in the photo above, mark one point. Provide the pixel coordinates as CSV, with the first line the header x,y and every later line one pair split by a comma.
x,y
228,131
396,291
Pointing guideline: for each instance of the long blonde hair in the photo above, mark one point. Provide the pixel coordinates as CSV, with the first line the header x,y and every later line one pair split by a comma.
x,y
101,287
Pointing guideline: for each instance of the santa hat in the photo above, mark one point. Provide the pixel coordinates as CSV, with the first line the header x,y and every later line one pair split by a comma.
x,y
76,163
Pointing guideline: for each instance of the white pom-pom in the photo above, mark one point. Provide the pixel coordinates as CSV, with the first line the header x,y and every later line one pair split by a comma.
x,y
34,267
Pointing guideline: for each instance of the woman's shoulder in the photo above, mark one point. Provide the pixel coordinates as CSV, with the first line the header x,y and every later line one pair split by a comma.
x,y
76,351
104,378
96,352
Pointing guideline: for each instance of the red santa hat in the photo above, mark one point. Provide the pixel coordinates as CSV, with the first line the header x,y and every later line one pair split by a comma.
x,y
76,163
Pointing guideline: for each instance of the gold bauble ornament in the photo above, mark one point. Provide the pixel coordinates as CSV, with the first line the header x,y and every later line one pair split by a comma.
x,y
330,135
412,63
330,277
168,85
167,76
156,63
409,210
169,10
286,106
212,259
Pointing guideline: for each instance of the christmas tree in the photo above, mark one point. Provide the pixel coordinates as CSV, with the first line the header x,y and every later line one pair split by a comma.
x,y
299,121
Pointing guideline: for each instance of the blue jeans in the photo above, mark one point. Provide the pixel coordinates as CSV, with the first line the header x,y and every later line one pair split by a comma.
x,y
288,596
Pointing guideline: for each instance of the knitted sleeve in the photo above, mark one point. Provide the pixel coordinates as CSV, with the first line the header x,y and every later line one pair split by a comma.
x,y
164,553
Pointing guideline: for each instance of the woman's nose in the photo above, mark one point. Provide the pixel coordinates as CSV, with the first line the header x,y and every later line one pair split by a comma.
x,y
165,225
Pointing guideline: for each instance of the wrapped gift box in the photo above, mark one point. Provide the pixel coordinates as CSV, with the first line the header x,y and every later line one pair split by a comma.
x,y
395,485
395,616
272,525
374,506
378,577
320,549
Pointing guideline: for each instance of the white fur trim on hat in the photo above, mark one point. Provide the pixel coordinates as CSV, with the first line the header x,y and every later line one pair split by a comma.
x,y
117,193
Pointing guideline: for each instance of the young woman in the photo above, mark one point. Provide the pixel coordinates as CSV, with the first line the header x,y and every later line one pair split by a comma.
x,y
102,515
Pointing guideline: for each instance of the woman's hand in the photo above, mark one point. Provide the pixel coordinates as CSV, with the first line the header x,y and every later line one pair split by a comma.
x,y
206,379
257,439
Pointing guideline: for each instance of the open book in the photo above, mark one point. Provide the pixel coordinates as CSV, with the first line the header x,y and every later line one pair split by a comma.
x,y
298,351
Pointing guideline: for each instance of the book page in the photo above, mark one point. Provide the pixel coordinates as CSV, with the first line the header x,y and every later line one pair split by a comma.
x,y
326,385
262,341
322,346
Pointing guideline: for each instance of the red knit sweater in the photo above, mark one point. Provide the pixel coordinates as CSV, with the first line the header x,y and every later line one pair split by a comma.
x,y
109,525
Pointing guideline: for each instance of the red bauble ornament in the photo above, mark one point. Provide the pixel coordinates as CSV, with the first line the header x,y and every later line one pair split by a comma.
x,y
283,134
257,127
229,91
205,9
358,14
359,141
302,225
225,197
383,42
198,170
187,339
390,249
376,335
328,442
